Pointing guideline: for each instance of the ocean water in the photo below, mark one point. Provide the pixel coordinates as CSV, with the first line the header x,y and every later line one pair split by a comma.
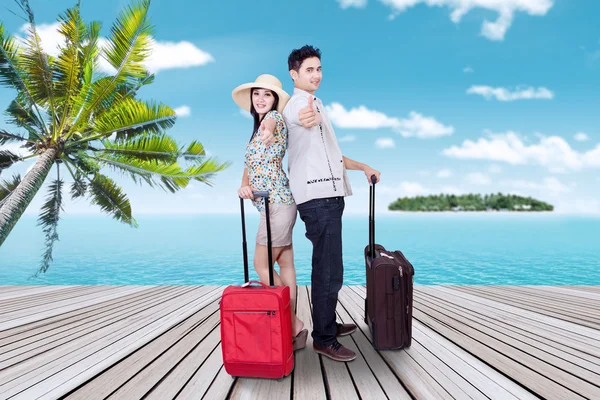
x,y
446,248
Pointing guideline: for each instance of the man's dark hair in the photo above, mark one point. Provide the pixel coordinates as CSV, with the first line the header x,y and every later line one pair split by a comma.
x,y
298,56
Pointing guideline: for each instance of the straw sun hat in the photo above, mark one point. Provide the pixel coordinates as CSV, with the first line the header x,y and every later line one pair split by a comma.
x,y
241,94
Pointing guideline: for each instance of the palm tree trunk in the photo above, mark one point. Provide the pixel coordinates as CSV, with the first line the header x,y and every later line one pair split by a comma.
x,y
19,200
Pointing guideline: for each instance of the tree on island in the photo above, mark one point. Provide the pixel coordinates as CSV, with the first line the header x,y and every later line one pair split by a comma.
x,y
470,202
82,121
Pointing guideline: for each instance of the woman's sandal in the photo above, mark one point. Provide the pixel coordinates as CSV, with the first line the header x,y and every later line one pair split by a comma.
x,y
299,341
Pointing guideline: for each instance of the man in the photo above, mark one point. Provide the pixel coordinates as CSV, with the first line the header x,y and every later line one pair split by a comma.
x,y
318,180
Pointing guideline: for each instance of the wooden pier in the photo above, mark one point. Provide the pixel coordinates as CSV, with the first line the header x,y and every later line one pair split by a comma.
x,y
163,342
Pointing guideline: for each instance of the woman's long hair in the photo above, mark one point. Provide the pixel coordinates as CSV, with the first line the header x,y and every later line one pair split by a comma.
x,y
255,115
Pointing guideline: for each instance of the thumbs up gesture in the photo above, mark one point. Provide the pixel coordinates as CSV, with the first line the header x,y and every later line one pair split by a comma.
x,y
267,128
308,116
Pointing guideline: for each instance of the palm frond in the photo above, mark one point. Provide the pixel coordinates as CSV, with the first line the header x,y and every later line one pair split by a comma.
x,y
49,217
7,187
207,170
112,200
23,116
131,117
35,63
128,45
168,176
88,63
159,147
195,151
11,74
129,42
6,137
67,65
8,158
79,186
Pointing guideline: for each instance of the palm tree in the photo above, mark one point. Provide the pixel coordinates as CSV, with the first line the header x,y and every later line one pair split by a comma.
x,y
82,121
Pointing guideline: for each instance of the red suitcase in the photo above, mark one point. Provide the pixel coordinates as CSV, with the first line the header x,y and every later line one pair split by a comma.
x,y
256,321
389,300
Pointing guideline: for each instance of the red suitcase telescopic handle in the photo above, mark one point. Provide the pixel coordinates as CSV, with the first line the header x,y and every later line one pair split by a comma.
x,y
265,195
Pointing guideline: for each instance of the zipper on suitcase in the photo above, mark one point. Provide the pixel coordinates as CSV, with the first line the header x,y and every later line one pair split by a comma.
x,y
272,313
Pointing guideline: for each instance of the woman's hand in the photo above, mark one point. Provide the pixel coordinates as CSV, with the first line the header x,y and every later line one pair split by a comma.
x,y
246,192
267,132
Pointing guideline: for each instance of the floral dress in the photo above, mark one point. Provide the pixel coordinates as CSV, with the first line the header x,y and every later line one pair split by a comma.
x,y
265,165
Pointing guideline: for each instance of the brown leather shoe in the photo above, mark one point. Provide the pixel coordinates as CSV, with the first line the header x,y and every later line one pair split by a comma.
x,y
335,351
345,329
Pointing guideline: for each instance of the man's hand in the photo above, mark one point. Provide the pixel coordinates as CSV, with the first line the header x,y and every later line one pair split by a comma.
x,y
267,129
308,116
246,192
369,172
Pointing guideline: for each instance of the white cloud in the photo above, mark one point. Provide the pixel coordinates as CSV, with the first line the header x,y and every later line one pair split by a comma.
x,y
495,169
183,111
478,178
552,152
385,143
359,118
504,94
468,70
548,185
416,125
352,3
444,173
423,127
581,137
164,55
347,138
169,55
495,30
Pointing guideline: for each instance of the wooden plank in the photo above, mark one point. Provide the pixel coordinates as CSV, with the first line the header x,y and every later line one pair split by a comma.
x,y
551,344
60,307
522,367
419,383
366,383
308,377
22,348
479,374
549,311
582,333
106,347
551,302
158,370
336,374
199,357
14,292
39,347
386,379
210,381
220,387
17,306
127,369
550,355
52,322
570,291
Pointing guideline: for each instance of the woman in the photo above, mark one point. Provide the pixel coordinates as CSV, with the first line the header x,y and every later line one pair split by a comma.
x,y
265,100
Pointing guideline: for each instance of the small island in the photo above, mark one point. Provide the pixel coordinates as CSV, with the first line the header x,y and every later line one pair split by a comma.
x,y
470,202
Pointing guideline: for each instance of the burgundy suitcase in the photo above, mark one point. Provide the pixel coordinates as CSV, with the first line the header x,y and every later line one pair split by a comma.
x,y
256,321
389,300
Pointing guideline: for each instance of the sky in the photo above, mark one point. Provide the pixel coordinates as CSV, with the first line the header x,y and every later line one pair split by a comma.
x,y
440,96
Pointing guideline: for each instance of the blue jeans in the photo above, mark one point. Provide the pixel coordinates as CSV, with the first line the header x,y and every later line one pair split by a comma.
x,y
323,220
